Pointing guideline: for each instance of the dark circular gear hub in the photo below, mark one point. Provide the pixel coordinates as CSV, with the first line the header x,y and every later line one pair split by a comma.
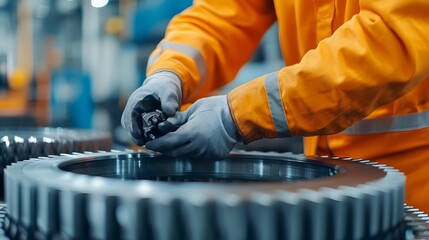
x,y
237,168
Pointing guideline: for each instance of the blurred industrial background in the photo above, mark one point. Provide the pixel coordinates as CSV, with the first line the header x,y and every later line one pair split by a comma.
x,y
73,63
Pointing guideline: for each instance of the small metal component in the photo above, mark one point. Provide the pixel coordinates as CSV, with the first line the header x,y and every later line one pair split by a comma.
x,y
150,124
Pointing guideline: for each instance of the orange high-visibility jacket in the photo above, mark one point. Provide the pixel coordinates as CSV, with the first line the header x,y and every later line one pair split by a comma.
x,y
356,76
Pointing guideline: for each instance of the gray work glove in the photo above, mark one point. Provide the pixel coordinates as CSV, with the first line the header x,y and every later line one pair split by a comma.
x,y
206,131
161,90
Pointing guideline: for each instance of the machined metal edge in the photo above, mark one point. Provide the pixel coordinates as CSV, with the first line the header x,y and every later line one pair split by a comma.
x,y
75,206
17,144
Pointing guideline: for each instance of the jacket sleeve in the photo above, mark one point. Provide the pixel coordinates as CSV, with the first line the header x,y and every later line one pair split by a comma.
x,y
208,43
376,57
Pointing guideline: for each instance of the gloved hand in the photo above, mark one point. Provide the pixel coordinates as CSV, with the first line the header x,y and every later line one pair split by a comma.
x,y
206,131
162,90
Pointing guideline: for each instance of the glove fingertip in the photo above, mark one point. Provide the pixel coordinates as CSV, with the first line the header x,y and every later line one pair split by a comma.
x,y
152,145
169,110
167,127
138,141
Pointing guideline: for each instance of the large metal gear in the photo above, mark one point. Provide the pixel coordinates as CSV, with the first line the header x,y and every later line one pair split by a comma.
x,y
17,144
258,196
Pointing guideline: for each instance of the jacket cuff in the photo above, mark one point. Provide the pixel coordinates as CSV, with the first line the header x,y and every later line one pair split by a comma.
x,y
250,111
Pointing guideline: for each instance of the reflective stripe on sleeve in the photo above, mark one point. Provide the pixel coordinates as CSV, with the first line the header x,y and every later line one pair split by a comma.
x,y
186,49
397,123
152,59
276,105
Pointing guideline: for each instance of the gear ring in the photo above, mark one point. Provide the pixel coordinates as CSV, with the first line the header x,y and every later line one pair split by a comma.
x,y
348,199
18,144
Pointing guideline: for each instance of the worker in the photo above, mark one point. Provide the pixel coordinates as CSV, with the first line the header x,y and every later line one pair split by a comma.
x,y
355,82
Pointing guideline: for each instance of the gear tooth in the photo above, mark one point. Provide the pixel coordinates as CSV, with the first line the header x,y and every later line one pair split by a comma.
x,y
33,146
230,210
315,215
263,216
364,161
132,215
47,211
372,163
103,207
28,206
198,210
372,210
398,188
412,210
67,209
73,215
164,213
115,151
356,210
390,187
13,184
291,213
336,205
65,154
97,209
126,213
4,152
11,197
14,165
48,145
380,166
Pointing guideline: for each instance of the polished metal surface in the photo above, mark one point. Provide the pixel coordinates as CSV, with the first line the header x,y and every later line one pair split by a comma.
x,y
18,144
237,168
143,195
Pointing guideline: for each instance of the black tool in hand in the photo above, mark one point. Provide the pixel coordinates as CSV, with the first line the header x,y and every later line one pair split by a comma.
x,y
150,124
152,119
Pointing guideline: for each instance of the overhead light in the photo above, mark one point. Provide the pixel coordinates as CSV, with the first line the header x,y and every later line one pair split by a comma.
x,y
99,3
